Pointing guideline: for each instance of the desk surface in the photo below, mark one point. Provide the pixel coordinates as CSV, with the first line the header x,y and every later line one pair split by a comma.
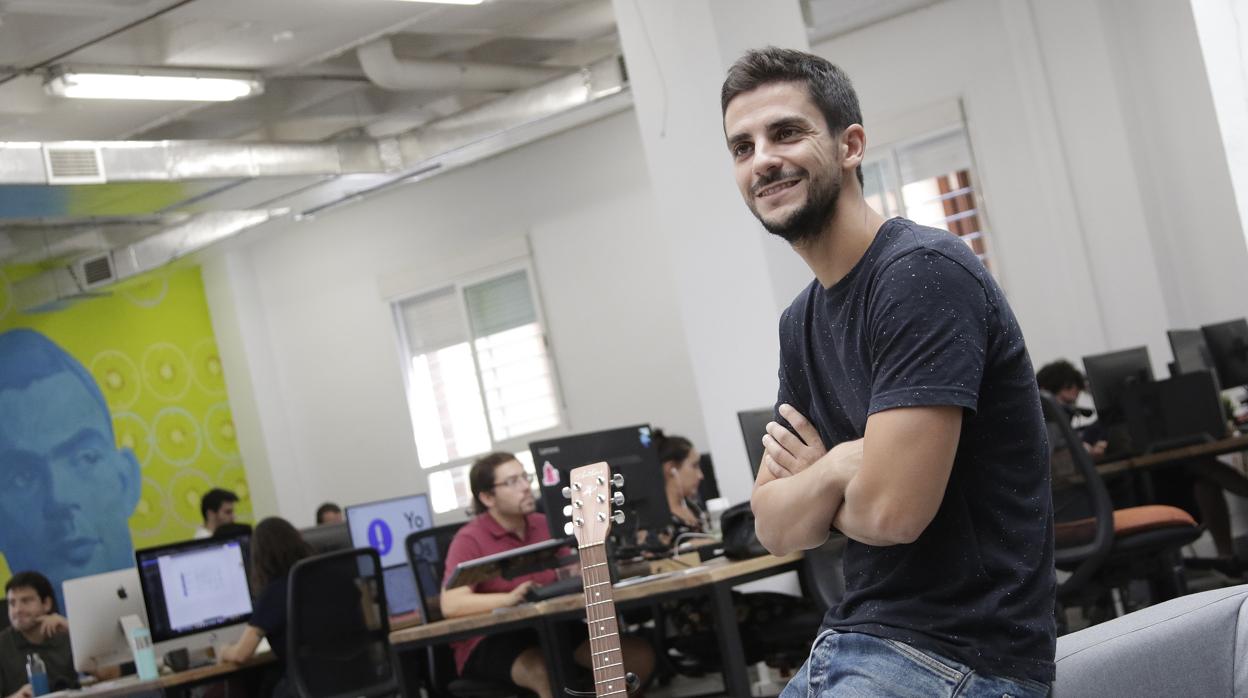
x,y
716,570
130,684
1213,448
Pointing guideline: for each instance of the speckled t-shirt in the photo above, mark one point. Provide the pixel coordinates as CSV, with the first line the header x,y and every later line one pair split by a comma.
x,y
918,322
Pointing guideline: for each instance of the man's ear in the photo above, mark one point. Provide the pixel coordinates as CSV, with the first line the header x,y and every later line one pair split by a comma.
x,y
487,499
853,146
131,476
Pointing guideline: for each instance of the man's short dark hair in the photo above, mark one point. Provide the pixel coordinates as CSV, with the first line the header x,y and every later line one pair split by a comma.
x,y
829,87
32,580
326,508
1059,375
29,356
214,500
481,476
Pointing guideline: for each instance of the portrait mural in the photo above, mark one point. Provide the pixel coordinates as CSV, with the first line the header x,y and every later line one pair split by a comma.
x,y
114,421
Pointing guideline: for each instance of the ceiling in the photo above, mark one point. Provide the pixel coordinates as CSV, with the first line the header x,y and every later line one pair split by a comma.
x,y
317,89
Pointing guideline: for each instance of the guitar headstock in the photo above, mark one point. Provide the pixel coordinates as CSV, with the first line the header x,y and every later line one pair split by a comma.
x,y
590,510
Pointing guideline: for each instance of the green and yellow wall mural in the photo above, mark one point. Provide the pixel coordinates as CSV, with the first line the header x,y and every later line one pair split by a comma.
x,y
114,420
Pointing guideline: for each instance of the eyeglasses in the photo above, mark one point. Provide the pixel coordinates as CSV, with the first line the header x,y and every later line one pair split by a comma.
x,y
514,480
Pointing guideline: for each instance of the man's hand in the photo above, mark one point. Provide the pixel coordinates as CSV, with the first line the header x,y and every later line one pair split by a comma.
x,y
787,454
52,624
23,692
517,594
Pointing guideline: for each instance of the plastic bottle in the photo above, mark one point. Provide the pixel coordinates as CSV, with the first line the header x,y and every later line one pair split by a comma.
x,y
37,673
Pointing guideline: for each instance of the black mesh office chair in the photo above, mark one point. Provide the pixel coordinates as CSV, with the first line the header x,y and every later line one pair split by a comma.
x,y
1103,548
338,627
426,552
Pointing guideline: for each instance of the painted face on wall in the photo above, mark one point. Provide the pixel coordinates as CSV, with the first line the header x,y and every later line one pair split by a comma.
x,y
66,491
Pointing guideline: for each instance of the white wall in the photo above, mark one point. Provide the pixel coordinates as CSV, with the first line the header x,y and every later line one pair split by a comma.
x,y
316,299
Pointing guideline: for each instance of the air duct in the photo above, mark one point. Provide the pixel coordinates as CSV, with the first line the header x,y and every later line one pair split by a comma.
x,y
84,277
388,72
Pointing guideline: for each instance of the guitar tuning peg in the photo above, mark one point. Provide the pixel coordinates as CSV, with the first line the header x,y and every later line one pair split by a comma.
x,y
618,517
568,528
617,479
567,493
567,510
618,499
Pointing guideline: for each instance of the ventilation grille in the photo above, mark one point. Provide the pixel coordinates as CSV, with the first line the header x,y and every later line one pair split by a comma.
x,y
97,270
73,164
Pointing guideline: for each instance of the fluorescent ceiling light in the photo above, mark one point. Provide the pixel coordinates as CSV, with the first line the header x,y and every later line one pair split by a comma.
x,y
161,86
450,2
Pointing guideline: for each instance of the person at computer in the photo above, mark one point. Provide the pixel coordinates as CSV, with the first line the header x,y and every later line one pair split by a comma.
x,y
35,627
217,508
66,489
691,619
908,415
329,513
1066,383
276,546
506,519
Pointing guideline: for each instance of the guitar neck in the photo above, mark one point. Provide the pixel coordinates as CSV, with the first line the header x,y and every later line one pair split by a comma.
x,y
604,630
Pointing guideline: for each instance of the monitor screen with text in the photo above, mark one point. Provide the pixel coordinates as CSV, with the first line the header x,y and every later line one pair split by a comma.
x,y
194,587
385,525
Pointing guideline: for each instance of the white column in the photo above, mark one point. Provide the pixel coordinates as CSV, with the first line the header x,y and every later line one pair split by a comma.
x,y
732,277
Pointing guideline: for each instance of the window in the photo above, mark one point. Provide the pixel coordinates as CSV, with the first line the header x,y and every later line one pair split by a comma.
x,y
479,377
929,180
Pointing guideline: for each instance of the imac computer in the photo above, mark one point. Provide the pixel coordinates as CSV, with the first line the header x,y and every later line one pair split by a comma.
x,y
1228,344
94,606
630,452
195,593
384,526
753,426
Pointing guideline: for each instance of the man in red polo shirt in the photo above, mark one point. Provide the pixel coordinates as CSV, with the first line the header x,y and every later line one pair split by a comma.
x,y
507,519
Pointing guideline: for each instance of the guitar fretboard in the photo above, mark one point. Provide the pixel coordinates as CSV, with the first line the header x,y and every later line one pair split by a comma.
x,y
604,630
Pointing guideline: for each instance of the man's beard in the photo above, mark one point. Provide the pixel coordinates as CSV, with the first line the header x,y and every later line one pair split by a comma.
x,y
807,222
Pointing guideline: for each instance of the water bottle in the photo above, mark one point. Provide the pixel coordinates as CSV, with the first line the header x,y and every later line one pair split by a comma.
x,y
37,673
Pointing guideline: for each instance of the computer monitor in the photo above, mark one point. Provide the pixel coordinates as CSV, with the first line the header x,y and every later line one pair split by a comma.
x,y
384,526
195,593
630,451
1109,374
1191,352
94,606
753,427
327,538
1228,344
709,488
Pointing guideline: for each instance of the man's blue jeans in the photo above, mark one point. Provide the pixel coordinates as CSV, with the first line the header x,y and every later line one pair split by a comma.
x,y
849,665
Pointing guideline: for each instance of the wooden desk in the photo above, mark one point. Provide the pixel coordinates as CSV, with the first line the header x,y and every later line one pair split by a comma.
x,y
720,575
171,683
1174,455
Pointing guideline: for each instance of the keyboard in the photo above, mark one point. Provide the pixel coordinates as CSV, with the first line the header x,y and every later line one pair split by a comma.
x,y
571,585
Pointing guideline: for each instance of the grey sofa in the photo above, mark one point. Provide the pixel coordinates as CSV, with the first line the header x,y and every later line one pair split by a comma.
x,y
1194,645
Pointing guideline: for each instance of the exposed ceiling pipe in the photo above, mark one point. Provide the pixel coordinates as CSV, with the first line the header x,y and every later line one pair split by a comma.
x,y
388,72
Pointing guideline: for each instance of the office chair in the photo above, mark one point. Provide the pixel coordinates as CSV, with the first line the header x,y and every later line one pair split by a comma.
x,y
338,627
1105,548
426,553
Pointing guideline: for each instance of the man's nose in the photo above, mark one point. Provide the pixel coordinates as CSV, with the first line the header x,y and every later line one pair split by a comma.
x,y
61,484
766,158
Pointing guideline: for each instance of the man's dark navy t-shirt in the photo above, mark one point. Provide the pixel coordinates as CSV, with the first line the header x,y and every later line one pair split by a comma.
x,y
920,322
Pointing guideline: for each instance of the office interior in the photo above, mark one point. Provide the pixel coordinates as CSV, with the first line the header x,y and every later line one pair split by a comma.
x,y
1098,147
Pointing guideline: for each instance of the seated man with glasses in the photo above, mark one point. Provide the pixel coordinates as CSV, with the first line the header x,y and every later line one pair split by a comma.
x,y
502,497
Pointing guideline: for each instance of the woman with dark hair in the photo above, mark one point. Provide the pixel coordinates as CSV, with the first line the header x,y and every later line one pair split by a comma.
x,y
682,474
275,547
691,620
